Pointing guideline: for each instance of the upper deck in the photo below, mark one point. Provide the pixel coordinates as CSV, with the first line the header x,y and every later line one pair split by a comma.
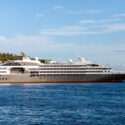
x,y
32,66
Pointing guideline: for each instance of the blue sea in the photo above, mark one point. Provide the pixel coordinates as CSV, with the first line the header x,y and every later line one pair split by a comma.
x,y
63,104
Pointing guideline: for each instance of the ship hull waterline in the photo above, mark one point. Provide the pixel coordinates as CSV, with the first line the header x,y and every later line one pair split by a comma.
x,y
62,78
117,81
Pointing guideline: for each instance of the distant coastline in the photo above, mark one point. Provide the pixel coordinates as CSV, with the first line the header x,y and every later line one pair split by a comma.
x,y
8,56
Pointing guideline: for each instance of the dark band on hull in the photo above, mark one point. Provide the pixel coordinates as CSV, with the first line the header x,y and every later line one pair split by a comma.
x,y
77,81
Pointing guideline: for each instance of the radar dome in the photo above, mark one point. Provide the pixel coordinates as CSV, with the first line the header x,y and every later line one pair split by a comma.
x,y
70,60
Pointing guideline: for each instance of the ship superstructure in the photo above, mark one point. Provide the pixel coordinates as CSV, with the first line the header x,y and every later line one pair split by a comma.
x,y
32,71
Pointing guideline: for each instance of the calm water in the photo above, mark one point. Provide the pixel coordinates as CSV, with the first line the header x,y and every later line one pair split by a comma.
x,y
64,104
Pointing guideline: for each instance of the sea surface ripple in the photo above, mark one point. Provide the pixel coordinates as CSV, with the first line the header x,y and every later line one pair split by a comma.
x,y
63,104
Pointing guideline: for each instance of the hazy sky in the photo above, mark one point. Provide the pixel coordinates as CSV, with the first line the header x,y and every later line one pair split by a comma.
x,y
63,29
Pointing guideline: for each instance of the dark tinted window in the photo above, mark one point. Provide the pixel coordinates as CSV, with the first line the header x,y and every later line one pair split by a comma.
x,y
11,64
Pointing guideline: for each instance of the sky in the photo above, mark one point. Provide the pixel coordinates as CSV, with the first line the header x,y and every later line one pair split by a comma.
x,y
64,29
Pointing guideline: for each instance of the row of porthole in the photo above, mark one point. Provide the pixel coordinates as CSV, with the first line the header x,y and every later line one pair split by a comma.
x,y
3,78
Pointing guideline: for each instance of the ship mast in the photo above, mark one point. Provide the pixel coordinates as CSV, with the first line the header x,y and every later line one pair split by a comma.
x,y
23,54
25,57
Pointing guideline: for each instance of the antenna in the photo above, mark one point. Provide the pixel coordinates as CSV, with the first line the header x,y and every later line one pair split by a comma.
x,y
23,54
25,57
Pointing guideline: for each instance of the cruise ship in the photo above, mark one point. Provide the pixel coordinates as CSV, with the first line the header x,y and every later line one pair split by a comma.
x,y
30,70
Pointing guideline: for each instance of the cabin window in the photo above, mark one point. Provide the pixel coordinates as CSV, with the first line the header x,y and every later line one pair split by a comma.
x,y
2,71
11,64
